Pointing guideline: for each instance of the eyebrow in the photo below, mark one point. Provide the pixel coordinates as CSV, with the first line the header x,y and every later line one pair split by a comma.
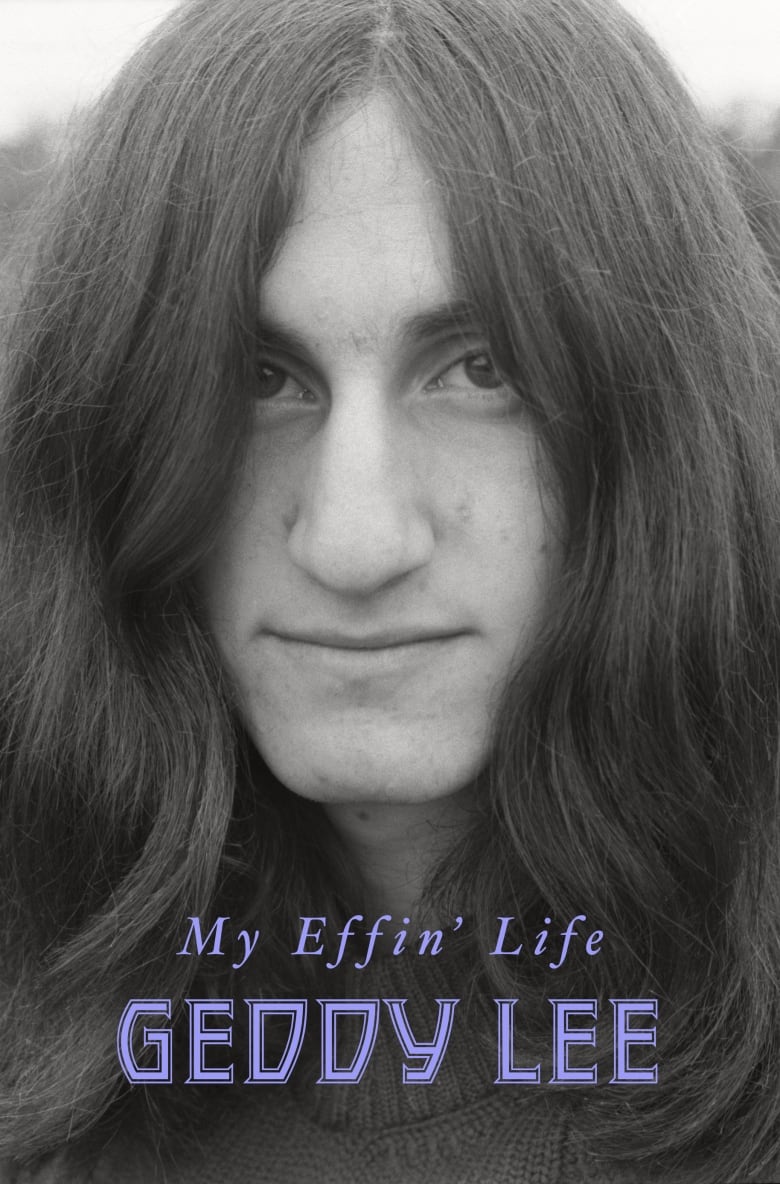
x,y
450,318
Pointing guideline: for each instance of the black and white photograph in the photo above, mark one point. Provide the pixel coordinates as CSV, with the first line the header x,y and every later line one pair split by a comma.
x,y
389,592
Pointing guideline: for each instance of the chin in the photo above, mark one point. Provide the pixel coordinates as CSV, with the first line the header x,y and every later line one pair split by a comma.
x,y
402,767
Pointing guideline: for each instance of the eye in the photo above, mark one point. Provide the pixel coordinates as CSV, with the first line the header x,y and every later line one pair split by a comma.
x,y
475,370
480,370
270,381
274,382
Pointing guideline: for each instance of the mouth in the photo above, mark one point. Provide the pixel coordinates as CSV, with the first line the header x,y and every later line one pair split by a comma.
x,y
385,640
351,658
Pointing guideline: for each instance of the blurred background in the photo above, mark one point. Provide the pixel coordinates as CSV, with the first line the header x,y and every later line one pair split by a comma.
x,y
57,55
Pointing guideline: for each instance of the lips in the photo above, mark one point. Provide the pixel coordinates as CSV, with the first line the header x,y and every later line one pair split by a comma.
x,y
346,659
381,640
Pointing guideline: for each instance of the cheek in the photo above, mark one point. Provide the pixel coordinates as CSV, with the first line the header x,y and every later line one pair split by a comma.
x,y
503,508
231,577
464,511
510,529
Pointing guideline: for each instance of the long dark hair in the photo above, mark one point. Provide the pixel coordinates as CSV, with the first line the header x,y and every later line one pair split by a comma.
x,y
635,771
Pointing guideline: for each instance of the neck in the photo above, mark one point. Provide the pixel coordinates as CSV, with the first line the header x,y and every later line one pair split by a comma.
x,y
396,845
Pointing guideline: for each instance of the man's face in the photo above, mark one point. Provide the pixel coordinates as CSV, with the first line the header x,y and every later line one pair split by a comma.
x,y
387,554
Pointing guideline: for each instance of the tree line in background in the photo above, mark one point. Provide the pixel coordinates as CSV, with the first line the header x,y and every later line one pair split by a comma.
x,y
26,163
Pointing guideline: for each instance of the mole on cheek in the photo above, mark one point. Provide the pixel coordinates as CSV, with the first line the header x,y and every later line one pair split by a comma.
x,y
464,511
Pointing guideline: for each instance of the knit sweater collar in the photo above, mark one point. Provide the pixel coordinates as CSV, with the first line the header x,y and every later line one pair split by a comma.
x,y
381,1099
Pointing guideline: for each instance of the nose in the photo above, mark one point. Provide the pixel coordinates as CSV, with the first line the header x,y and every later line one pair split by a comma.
x,y
361,519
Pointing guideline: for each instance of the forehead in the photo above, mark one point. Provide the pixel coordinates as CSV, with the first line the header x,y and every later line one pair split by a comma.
x,y
367,248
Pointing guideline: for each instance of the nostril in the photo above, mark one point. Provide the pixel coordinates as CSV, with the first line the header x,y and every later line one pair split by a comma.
x,y
360,551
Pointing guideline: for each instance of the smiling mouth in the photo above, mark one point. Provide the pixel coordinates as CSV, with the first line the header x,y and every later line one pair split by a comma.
x,y
376,660
390,640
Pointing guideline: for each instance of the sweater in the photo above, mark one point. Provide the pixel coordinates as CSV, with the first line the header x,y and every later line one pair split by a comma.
x,y
461,1128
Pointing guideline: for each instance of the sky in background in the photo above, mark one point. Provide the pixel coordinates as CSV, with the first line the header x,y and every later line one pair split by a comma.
x,y
57,54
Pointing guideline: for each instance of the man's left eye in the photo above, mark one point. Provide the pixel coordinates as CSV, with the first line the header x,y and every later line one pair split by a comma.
x,y
480,370
474,370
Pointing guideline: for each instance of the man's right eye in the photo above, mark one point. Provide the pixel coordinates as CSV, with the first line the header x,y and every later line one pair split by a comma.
x,y
270,381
